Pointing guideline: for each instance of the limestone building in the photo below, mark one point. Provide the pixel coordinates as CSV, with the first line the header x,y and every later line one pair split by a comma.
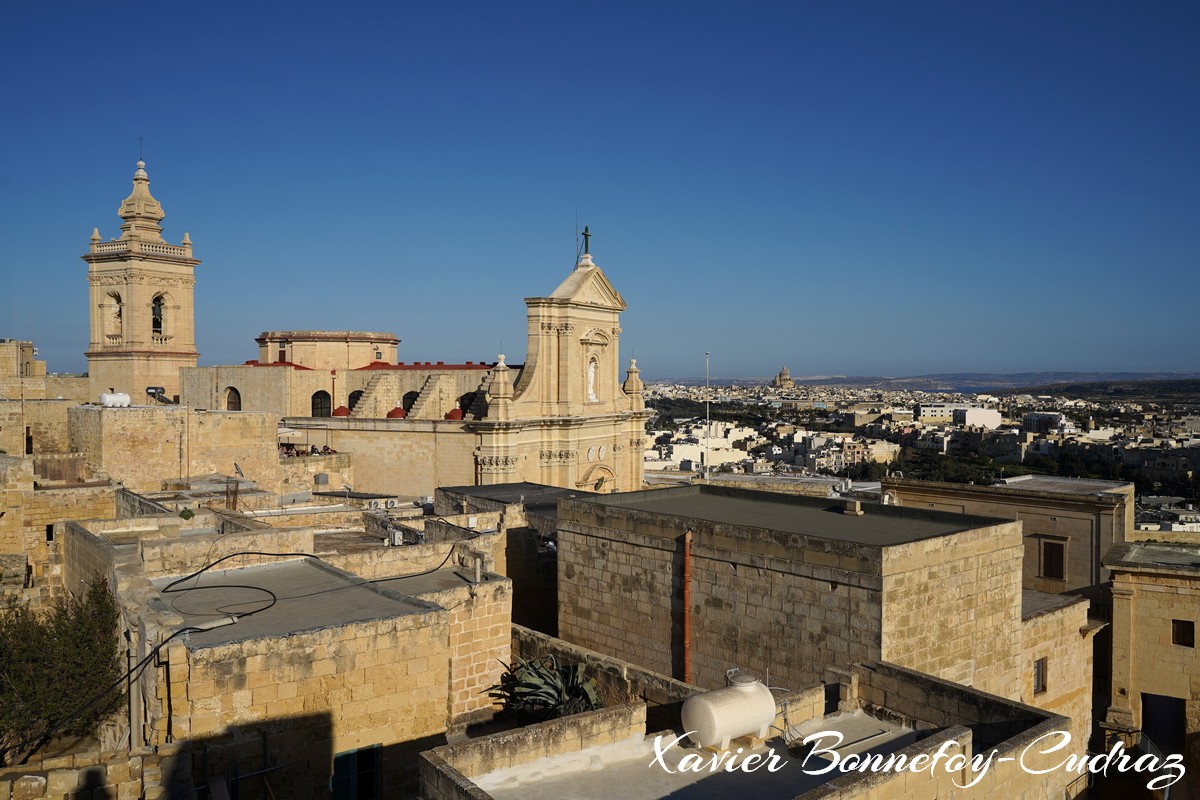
x,y
139,302
563,418
312,651
1069,523
694,581
23,376
1155,664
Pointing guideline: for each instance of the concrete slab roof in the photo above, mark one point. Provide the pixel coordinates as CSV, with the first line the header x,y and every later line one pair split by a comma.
x,y
878,526
628,769
1034,603
536,498
439,580
1161,555
1058,485
308,595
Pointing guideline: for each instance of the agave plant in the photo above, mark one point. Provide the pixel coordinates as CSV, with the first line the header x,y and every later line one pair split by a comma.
x,y
541,689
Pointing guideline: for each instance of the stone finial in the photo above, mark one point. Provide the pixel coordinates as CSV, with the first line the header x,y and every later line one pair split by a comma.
x,y
585,260
141,212
95,235
500,391
187,239
633,383
501,387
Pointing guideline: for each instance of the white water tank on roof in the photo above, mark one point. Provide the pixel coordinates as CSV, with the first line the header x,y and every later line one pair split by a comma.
x,y
713,719
115,400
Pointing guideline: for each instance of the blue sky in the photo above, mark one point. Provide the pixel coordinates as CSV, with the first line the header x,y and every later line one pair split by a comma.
x,y
845,188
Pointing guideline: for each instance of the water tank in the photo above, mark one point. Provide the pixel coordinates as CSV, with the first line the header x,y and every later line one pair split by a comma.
x,y
744,707
115,400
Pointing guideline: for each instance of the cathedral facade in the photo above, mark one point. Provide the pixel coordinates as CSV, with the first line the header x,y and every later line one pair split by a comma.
x,y
566,417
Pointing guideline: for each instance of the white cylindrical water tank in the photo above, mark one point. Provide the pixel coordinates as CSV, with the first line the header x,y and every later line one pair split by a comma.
x,y
114,400
713,719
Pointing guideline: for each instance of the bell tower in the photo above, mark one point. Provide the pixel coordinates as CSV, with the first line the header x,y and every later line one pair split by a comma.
x,y
140,302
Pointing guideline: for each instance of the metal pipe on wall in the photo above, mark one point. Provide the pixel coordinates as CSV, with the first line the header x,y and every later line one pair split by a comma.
x,y
687,606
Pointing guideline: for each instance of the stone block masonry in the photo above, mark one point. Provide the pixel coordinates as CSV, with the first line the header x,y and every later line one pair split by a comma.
x,y
378,682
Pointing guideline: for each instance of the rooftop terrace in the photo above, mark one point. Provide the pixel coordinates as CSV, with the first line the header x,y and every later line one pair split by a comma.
x,y
628,769
877,526
1185,557
289,597
1053,483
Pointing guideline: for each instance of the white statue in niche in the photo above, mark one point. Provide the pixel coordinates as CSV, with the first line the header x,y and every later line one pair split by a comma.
x,y
592,381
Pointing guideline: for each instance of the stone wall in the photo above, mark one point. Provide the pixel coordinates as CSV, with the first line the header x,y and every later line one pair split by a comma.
x,y
446,772
380,682
620,592
1087,523
52,469
85,557
298,473
45,419
1062,637
68,387
119,775
973,721
130,504
1145,659
480,644
392,562
12,576
617,681
42,508
405,458
952,607
781,486
147,447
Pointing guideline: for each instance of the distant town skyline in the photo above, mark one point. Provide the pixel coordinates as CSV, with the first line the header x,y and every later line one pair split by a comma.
x,y
874,189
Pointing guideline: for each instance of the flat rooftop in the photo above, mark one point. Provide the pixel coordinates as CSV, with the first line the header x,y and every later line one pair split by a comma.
x,y
1034,603
537,498
878,526
296,595
439,580
1053,483
628,769
1154,554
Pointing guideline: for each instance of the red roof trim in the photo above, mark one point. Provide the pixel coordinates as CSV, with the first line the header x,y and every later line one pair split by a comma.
x,y
257,363
426,366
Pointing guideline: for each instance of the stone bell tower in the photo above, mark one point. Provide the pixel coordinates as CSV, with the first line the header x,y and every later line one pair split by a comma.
x,y
140,302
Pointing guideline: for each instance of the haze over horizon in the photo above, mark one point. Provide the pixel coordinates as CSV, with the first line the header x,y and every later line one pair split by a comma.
x,y
874,189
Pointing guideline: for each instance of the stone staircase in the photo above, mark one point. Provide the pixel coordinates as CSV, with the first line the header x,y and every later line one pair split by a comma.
x,y
381,396
436,399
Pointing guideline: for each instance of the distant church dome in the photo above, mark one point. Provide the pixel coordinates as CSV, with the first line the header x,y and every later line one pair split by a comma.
x,y
784,380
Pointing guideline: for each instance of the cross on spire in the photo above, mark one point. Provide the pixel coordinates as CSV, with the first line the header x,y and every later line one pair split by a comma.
x,y
587,247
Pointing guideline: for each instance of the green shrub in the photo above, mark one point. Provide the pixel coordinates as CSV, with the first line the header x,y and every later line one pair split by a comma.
x,y
51,665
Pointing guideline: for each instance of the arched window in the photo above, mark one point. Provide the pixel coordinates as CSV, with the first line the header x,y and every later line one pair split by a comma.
x,y
465,402
409,400
112,319
355,396
321,405
156,314
233,399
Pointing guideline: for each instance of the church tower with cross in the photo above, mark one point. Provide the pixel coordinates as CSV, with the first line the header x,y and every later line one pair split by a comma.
x,y
140,292
571,421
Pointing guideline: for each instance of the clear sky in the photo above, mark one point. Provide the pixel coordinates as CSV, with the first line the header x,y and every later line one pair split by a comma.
x,y
843,187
